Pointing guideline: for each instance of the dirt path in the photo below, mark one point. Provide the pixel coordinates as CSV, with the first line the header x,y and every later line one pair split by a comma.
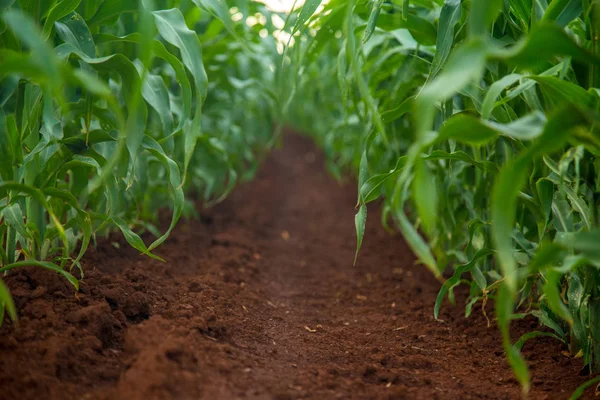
x,y
259,300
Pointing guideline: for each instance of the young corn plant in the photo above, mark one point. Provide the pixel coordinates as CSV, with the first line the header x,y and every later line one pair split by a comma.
x,y
112,110
478,123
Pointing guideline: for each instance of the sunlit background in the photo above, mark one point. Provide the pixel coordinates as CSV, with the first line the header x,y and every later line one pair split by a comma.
x,y
282,5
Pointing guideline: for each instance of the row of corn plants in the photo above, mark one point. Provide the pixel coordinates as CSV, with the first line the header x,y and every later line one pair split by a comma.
x,y
478,123
112,110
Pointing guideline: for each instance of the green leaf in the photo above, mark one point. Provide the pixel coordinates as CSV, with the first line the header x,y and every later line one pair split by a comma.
x,y
133,238
552,291
425,195
545,192
416,243
449,17
73,29
522,10
461,156
513,176
543,44
456,277
584,243
465,65
583,387
369,190
372,22
504,312
563,219
60,10
41,54
563,11
546,320
219,9
467,129
6,303
483,14
489,103
13,217
83,218
40,200
4,4
308,9
174,179
110,10
423,31
559,92
7,158
360,221
171,26
352,52
404,108
156,94
160,51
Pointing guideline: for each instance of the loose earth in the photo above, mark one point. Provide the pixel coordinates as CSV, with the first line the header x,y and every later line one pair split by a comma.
x,y
258,299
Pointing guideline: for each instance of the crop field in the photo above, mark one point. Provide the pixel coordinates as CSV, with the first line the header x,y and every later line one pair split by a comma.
x,y
185,184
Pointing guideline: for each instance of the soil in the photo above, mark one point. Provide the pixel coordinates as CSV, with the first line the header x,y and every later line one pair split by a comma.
x,y
258,299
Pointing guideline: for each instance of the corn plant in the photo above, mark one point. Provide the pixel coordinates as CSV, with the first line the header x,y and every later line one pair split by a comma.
x,y
110,111
477,122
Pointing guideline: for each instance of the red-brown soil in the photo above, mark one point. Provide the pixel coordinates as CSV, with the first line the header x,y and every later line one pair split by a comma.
x,y
259,300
